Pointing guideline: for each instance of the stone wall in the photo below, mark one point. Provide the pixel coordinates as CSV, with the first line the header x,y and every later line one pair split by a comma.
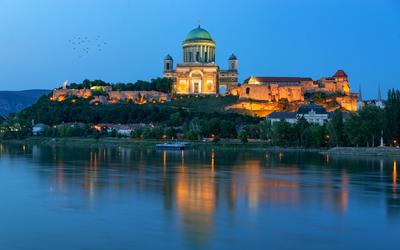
x,y
62,94
348,102
271,92
148,96
260,109
112,96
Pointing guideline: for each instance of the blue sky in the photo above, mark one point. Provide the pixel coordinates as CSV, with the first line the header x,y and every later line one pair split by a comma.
x,y
309,38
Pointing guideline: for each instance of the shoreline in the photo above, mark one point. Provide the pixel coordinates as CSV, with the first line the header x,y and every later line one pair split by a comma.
x,y
223,144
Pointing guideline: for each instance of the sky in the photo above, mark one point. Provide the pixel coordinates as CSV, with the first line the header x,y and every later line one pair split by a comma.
x,y
129,39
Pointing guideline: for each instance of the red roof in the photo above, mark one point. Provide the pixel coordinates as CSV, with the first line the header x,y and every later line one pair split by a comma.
x,y
279,79
340,73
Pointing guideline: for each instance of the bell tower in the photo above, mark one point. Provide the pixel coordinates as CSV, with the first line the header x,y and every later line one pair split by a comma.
x,y
233,63
168,64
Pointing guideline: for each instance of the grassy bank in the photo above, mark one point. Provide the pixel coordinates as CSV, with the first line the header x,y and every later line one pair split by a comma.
x,y
362,151
128,142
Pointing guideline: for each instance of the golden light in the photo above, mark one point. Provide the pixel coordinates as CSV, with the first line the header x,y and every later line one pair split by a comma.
x,y
394,177
212,161
97,127
165,161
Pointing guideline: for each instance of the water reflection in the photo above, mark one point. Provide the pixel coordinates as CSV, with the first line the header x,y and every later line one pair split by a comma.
x,y
394,179
198,187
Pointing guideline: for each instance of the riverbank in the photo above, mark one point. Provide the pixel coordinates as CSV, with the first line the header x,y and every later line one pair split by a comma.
x,y
222,144
136,143
361,151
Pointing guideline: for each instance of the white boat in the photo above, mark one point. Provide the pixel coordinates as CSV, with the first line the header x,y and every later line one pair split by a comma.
x,y
175,145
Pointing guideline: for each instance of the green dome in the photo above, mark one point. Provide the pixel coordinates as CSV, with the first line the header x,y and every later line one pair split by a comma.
x,y
198,34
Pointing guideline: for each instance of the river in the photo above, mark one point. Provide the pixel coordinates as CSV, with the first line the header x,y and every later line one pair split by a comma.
x,y
90,197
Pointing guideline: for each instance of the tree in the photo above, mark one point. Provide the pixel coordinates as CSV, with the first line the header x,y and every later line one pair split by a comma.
x,y
372,123
392,116
265,128
192,135
283,133
228,129
301,129
211,127
175,119
335,128
352,130
243,136
315,136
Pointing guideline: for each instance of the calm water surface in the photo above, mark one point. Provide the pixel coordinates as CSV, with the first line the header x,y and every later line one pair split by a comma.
x,y
124,198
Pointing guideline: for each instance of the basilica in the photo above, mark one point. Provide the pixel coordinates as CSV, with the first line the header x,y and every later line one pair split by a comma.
x,y
198,74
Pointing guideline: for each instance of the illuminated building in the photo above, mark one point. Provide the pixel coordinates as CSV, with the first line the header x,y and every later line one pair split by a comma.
x,y
198,74
293,89
312,113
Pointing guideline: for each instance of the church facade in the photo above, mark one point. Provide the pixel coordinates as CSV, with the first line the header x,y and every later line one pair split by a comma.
x,y
198,74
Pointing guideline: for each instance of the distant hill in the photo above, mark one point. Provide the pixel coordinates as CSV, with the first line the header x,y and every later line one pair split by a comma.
x,y
15,101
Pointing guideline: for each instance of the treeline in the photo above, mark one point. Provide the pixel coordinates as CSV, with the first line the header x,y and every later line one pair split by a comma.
x,y
80,110
158,84
364,128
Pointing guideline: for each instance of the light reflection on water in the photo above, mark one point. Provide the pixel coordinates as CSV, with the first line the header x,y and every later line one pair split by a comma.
x,y
106,197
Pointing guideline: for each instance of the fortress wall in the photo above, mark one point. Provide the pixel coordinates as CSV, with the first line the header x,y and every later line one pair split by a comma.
x,y
271,92
348,102
64,93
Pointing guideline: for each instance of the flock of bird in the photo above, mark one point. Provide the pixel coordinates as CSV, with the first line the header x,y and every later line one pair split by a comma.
x,y
83,45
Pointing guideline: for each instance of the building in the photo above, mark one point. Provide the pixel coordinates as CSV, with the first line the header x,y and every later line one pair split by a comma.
x,y
312,113
199,74
293,89
373,102
289,117
273,89
339,82
124,130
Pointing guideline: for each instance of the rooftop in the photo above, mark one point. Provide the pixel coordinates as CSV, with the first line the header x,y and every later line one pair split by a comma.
x,y
280,79
198,34
340,73
318,109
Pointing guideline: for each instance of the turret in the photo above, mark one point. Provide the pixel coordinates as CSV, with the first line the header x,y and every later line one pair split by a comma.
x,y
233,63
168,63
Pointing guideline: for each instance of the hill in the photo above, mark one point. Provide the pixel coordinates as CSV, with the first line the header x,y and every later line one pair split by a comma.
x,y
15,101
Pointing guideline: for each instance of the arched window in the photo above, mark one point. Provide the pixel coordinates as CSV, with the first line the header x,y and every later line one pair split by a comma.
x,y
167,66
247,90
